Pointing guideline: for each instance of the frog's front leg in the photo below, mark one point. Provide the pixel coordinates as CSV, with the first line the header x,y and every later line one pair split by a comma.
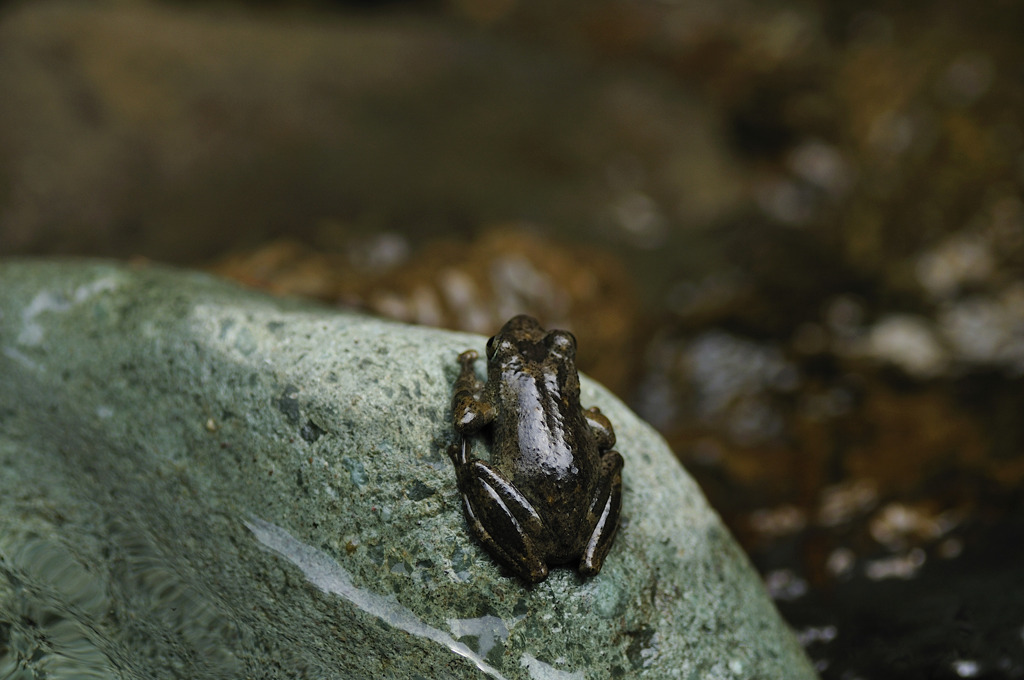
x,y
603,514
499,516
470,412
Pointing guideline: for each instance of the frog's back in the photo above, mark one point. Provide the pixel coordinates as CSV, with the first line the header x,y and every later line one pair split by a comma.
x,y
544,446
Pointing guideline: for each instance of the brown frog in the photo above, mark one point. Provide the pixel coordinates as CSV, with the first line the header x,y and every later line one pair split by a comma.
x,y
552,490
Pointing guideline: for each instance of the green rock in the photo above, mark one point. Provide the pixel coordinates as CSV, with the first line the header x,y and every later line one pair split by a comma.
x,y
202,481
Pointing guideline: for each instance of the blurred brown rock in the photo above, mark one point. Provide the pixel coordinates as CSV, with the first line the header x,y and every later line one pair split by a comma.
x,y
474,286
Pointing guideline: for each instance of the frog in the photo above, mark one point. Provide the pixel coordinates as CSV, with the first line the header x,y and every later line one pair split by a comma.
x,y
551,492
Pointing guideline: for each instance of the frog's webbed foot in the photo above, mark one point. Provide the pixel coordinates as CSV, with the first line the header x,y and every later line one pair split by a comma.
x,y
469,412
603,514
501,518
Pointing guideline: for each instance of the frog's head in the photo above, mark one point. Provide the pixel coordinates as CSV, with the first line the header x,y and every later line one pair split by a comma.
x,y
522,338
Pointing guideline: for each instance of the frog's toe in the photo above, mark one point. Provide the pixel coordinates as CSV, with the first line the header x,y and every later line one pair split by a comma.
x,y
535,573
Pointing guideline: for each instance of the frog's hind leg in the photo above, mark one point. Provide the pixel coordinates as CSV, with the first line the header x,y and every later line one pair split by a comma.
x,y
500,518
603,514
601,427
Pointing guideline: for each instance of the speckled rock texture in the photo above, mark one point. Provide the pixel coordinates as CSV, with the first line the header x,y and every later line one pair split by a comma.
x,y
198,481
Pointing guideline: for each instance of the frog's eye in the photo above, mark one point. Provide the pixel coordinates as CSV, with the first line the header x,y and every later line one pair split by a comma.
x,y
490,347
562,342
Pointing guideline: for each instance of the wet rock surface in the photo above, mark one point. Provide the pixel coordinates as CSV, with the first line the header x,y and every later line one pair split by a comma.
x,y
200,481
